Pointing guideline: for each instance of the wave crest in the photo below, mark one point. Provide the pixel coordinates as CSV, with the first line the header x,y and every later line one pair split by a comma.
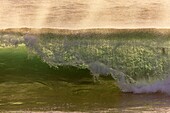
x,y
139,65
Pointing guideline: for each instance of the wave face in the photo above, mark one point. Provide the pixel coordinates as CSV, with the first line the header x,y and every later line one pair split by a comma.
x,y
138,60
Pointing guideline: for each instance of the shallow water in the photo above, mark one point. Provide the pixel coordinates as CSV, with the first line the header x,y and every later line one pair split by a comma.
x,y
84,13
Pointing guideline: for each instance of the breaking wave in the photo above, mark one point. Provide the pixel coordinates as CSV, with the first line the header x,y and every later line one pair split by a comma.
x,y
138,60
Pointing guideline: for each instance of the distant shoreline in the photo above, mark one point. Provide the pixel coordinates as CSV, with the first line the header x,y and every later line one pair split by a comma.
x,y
25,30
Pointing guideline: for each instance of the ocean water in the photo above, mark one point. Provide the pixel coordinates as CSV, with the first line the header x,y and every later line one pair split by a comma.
x,y
61,56
84,13
90,70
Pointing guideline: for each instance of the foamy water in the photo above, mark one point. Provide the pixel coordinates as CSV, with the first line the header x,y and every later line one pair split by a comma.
x,y
137,60
103,55
84,13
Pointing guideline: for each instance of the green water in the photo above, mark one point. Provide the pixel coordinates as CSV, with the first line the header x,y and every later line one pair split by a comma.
x,y
29,84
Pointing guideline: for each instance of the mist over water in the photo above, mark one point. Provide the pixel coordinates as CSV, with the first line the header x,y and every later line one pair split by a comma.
x,y
84,13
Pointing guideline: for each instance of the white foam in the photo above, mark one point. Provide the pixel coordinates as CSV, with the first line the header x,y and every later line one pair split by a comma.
x,y
98,59
162,86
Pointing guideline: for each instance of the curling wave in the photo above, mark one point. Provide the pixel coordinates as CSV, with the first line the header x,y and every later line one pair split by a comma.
x,y
138,61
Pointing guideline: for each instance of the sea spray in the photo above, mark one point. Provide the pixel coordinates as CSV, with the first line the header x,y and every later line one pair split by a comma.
x,y
10,40
138,64
98,68
128,61
161,86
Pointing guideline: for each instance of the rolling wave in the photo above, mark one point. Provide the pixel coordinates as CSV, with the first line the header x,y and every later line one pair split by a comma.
x,y
138,60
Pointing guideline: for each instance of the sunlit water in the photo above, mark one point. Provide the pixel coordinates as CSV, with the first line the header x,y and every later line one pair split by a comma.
x,y
36,72
28,84
84,13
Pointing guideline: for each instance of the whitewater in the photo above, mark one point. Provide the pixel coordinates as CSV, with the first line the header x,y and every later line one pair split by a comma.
x,y
137,59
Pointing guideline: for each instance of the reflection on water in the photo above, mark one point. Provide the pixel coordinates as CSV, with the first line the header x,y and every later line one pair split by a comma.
x,y
84,13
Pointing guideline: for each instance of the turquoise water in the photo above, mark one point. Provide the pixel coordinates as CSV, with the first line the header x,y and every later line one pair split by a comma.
x,y
43,71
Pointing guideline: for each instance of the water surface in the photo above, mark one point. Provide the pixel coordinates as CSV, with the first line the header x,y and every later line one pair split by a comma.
x,y
84,13
44,71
